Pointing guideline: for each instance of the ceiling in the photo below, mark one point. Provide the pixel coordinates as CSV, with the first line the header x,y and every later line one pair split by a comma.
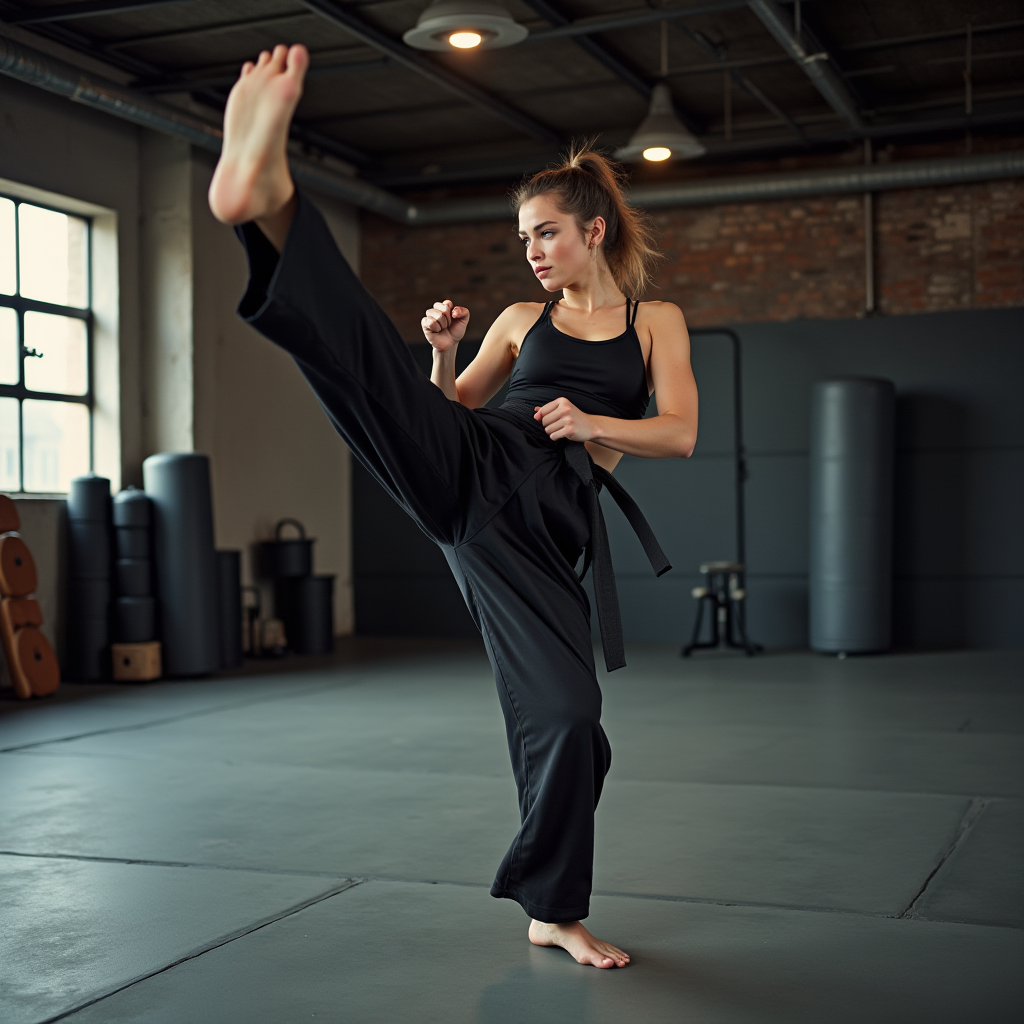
x,y
889,71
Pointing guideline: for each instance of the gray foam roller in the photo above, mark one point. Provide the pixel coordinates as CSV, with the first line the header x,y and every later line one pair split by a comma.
x,y
178,485
851,486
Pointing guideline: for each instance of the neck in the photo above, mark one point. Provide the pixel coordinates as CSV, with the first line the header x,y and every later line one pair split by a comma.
x,y
597,290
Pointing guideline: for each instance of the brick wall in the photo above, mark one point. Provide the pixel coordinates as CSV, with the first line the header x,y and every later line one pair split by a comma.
x,y
936,249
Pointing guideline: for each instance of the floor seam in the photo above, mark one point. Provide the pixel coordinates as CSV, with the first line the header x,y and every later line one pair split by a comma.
x,y
290,695
975,809
350,883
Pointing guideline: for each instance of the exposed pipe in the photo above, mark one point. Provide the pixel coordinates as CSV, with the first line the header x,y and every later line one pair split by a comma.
x,y
768,187
38,69
816,66
630,19
35,68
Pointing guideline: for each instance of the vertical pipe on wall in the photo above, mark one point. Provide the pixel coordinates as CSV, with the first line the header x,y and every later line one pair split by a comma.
x,y
851,485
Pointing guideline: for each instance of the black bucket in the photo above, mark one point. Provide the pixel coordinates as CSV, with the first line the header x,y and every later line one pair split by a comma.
x,y
286,558
307,607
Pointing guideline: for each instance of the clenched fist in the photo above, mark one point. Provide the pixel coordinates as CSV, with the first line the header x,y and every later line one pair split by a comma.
x,y
444,324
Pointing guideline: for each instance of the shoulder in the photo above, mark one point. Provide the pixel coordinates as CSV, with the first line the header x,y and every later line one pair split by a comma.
x,y
520,311
656,314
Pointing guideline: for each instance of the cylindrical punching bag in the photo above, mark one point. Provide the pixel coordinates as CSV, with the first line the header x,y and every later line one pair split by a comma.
x,y
186,566
89,584
851,484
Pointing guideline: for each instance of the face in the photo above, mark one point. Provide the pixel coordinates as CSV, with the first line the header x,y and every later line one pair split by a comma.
x,y
559,253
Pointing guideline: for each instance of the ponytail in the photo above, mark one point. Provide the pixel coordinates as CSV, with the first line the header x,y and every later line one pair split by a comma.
x,y
587,185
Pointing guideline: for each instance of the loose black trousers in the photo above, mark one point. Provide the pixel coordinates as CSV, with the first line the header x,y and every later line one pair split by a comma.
x,y
495,493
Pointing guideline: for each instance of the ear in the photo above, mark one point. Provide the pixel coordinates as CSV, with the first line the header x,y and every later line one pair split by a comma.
x,y
595,232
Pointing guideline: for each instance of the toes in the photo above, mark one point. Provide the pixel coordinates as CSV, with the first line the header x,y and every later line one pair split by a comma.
x,y
264,59
246,68
279,56
298,58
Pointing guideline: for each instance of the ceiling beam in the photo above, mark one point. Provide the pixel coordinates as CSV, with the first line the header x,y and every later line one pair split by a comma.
x,y
218,28
741,80
344,17
931,37
87,9
225,80
632,19
606,58
817,66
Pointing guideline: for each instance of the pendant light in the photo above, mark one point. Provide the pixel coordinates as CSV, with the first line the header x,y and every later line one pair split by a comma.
x,y
661,135
465,25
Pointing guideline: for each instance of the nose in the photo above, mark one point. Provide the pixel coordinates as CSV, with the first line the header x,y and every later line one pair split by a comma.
x,y
534,253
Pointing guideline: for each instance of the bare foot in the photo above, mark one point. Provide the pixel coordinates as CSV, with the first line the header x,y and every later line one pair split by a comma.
x,y
252,181
578,943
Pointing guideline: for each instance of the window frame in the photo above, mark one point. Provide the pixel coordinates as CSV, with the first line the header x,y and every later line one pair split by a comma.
x,y
21,306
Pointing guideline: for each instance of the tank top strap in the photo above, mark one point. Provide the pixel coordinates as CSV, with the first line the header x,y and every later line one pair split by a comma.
x,y
631,320
548,306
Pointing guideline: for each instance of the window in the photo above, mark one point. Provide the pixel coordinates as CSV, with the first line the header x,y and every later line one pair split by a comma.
x,y
45,352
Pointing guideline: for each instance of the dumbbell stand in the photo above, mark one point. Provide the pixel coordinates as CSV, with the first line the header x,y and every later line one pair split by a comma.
x,y
728,616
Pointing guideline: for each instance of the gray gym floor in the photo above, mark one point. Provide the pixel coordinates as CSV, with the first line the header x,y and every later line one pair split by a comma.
x,y
788,838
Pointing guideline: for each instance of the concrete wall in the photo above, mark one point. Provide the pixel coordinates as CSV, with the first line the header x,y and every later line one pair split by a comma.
x,y
175,369
959,567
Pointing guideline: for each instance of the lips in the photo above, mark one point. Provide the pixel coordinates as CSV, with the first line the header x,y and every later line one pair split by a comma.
x,y
542,272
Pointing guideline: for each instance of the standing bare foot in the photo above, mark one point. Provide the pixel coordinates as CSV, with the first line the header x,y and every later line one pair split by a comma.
x,y
252,181
578,943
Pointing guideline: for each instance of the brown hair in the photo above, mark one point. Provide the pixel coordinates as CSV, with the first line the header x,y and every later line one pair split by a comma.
x,y
587,185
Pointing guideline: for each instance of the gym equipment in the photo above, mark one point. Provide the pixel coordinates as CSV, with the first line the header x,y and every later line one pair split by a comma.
x,y
307,607
726,599
135,655
287,557
178,484
851,512
30,658
136,663
89,578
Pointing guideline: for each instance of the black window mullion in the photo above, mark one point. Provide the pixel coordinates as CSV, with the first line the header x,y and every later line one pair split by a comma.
x,y
21,306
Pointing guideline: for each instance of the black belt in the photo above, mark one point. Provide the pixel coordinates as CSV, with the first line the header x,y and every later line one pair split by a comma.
x,y
598,552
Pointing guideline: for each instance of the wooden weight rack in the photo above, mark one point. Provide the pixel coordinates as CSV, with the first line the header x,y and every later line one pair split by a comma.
x,y
33,665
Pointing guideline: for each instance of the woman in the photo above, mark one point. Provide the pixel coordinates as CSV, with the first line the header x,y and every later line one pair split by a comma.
x,y
510,495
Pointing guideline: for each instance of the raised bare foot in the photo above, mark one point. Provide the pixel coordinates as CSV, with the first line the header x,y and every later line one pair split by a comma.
x,y
578,943
252,181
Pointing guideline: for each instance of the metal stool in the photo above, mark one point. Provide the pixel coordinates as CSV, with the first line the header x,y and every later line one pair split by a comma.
x,y
725,596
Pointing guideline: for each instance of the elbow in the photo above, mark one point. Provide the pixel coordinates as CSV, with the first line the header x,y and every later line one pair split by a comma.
x,y
686,445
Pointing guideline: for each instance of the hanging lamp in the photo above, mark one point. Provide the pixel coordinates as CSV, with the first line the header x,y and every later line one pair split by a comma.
x,y
661,135
464,25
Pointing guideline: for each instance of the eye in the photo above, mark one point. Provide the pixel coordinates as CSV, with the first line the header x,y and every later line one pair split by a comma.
x,y
547,233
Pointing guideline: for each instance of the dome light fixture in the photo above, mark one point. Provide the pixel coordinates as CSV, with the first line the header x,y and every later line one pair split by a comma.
x,y
464,25
661,135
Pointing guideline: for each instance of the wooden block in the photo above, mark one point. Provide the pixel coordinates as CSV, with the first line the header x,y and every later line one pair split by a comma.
x,y
17,567
136,663
36,662
8,515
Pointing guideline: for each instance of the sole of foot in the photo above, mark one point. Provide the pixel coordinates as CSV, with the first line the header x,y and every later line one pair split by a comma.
x,y
252,180
579,944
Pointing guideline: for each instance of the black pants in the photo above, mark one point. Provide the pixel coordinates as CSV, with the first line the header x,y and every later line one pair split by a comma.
x,y
512,518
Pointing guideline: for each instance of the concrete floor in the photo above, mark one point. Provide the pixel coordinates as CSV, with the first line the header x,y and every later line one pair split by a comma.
x,y
785,839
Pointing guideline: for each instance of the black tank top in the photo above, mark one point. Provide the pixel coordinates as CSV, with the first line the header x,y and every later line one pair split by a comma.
x,y
601,378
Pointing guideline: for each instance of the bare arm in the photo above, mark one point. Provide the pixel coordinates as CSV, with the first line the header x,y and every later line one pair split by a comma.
x,y
445,325
673,432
